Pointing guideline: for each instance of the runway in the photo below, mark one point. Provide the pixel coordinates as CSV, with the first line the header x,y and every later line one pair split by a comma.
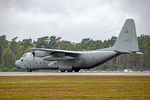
x,y
80,73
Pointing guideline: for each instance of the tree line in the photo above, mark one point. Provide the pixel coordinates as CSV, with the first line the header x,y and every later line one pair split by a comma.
x,y
10,51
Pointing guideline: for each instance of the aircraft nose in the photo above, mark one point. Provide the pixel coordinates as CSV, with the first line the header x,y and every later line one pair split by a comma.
x,y
17,63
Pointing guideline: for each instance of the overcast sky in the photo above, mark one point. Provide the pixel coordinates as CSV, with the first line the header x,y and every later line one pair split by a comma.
x,y
72,20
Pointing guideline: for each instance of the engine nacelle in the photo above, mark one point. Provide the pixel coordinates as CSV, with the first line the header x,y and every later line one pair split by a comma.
x,y
53,65
52,58
40,53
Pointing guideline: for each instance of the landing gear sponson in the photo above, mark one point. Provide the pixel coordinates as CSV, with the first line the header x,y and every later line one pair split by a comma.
x,y
62,70
70,70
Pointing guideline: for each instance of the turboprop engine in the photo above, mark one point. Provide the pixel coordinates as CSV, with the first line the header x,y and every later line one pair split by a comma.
x,y
52,58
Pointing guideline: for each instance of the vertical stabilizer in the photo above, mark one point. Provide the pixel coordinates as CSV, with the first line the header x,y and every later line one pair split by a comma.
x,y
127,40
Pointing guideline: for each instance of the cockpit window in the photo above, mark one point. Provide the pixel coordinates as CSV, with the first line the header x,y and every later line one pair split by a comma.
x,y
24,55
21,60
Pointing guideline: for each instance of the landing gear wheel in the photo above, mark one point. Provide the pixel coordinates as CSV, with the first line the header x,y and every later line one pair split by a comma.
x,y
62,70
76,70
69,70
29,70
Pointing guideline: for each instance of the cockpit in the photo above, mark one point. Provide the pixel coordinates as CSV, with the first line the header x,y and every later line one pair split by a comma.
x,y
24,59
27,55
24,55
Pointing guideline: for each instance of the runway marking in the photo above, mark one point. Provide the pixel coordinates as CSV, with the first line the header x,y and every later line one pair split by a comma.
x,y
65,73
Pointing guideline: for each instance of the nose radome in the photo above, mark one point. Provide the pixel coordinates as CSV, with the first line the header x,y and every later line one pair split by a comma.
x,y
17,63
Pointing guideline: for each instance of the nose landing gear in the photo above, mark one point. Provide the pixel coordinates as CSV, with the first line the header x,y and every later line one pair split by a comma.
x,y
29,70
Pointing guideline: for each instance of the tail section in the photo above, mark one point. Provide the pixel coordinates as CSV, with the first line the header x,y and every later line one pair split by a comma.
x,y
127,40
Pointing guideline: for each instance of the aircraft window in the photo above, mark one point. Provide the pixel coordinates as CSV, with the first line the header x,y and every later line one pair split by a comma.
x,y
21,60
24,55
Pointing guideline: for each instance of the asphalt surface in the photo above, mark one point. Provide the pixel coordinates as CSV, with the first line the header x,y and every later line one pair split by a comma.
x,y
65,73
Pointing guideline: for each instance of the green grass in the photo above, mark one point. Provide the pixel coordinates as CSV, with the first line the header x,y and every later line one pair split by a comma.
x,y
75,88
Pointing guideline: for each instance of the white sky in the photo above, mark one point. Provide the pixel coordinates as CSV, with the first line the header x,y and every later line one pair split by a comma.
x,y
71,20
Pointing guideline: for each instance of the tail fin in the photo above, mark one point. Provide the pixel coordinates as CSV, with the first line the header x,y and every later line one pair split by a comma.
x,y
127,40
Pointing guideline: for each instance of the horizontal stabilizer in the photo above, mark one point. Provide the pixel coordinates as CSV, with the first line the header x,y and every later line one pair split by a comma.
x,y
127,52
123,52
140,53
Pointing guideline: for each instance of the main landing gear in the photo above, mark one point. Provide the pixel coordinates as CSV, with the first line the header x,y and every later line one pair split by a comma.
x,y
69,70
62,70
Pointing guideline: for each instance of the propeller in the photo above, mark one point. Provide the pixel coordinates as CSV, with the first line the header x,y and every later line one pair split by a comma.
x,y
33,53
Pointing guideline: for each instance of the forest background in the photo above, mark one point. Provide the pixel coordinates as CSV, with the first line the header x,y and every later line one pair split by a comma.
x,y
10,51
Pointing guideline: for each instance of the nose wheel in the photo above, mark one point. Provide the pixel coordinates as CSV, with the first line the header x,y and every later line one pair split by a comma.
x,y
29,70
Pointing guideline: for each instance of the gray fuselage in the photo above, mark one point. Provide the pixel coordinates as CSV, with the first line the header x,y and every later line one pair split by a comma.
x,y
87,59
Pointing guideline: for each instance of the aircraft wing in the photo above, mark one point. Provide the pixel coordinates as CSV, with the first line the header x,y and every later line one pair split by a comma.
x,y
56,51
59,55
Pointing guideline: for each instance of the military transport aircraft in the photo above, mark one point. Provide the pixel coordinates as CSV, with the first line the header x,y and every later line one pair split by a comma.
x,y
64,60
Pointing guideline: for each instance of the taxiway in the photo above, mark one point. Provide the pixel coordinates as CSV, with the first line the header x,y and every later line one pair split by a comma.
x,y
80,73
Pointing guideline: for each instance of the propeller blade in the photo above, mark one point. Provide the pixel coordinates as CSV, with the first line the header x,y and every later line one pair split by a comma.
x,y
33,54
